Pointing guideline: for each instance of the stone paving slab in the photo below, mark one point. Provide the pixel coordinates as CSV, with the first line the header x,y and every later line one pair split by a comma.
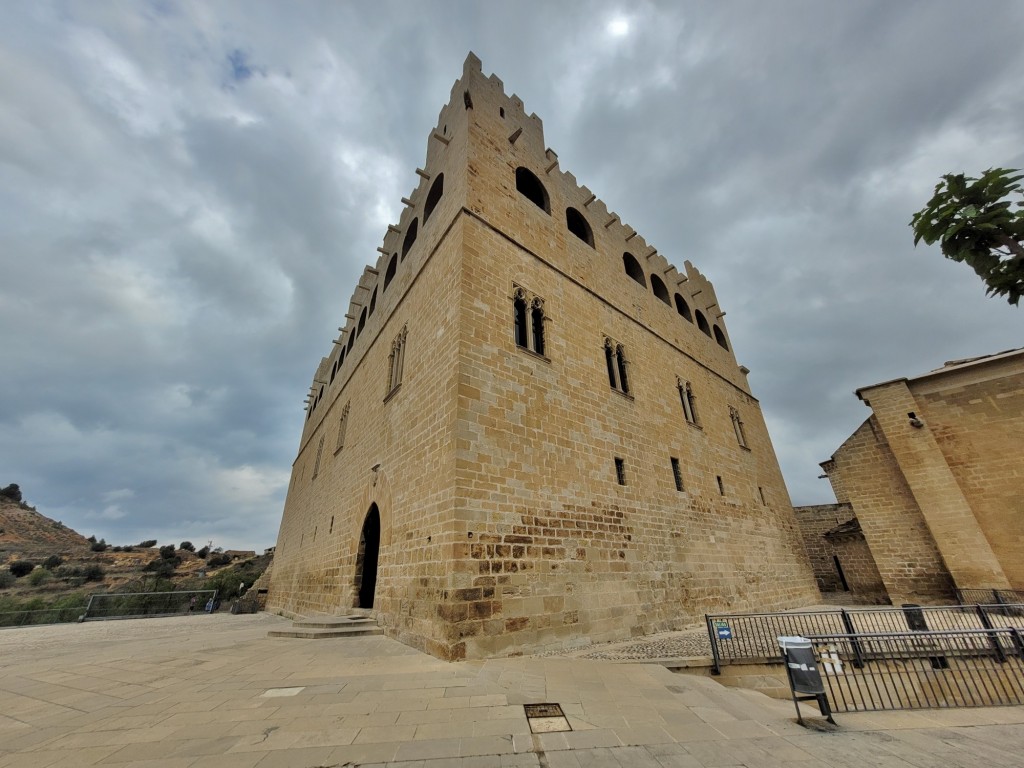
x,y
211,691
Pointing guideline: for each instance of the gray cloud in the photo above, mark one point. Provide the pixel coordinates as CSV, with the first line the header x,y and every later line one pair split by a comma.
x,y
188,194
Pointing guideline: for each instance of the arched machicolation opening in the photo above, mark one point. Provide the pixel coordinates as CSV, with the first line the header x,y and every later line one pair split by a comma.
x,y
702,323
658,286
433,196
633,268
579,226
720,338
410,237
392,268
530,187
683,308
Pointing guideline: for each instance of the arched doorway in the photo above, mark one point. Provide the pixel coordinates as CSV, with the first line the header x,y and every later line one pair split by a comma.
x,y
366,560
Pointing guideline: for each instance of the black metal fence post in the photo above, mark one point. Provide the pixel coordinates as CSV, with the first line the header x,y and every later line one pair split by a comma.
x,y
858,654
716,668
992,638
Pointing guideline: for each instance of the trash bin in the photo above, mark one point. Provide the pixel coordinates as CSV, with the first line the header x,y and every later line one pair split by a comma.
x,y
805,681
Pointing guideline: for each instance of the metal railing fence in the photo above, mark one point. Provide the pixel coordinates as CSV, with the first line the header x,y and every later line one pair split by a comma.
x,y
41,616
754,636
116,605
922,670
990,596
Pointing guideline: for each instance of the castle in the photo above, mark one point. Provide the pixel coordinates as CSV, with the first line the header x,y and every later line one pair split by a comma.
x,y
934,479
532,432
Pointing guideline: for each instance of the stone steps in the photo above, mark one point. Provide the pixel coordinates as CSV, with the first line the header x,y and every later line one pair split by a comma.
x,y
361,624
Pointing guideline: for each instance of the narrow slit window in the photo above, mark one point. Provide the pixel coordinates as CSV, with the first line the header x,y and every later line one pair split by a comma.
x,y
319,453
677,474
721,485
342,428
620,470
737,425
537,318
519,310
620,355
609,358
396,362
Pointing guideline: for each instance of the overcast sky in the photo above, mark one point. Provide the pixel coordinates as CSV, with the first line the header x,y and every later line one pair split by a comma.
x,y
189,192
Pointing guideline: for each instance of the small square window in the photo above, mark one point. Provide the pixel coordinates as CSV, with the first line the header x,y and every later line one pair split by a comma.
x,y
620,470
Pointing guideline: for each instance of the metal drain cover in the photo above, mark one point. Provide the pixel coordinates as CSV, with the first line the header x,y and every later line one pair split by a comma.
x,y
546,718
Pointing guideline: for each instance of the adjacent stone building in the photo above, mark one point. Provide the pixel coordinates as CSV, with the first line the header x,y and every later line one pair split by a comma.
x,y
843,565
532,431
935,477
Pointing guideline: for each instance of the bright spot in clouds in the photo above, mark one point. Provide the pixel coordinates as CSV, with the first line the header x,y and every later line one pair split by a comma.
x,y
618,27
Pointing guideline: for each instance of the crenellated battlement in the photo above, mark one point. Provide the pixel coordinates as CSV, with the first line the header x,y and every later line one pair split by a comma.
x,y
480,135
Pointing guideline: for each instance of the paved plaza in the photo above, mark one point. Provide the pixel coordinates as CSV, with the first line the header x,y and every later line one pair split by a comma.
x,y
215,691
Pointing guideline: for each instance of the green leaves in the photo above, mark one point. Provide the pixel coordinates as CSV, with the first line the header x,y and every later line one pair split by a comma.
x,y
974,224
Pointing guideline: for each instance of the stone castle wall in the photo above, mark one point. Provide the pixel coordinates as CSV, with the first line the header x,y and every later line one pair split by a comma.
x,y
814,522
504,527
934,477
831,532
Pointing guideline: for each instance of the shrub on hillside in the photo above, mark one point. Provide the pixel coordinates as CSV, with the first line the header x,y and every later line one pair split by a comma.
x,y
167,552
6,579
188,546
147,543
218,559
39,576
162,568
203,552
93,573
21,568
52,562
99,546
12,492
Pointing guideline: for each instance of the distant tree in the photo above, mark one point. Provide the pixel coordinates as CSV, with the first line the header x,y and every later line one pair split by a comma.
x,y
12,492
167,552
161,567
99,546
218,559
21,568
147,543
91,539
93,572
972,220
188,546
52,562
203,552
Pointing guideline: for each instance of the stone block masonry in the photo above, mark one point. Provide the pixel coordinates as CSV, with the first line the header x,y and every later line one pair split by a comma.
x,y
934,476
532,432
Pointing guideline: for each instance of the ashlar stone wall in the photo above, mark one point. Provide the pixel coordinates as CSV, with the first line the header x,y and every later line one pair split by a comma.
x,y
609,477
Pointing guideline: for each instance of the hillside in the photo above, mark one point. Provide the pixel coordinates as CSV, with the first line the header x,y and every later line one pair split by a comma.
x,y
25,534
65,563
